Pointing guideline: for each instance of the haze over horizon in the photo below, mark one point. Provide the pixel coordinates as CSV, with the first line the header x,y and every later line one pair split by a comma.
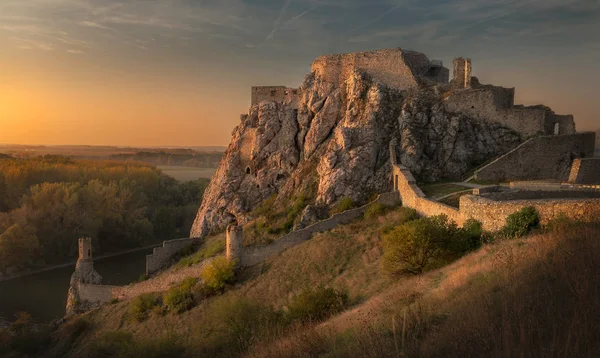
x,y
178,72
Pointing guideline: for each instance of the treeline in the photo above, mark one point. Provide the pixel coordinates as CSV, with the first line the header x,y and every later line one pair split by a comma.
x,y
186,158
46,203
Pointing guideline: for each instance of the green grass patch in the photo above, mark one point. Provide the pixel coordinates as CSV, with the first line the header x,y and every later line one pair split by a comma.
x,y
210,249
437,190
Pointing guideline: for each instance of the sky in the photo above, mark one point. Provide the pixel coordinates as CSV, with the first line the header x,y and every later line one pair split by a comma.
x,y
179,72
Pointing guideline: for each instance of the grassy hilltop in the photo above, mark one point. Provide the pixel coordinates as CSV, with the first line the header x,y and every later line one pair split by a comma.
x,y
335,295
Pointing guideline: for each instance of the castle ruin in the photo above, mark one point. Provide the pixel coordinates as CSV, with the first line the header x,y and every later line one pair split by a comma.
x,y
84,275
409,70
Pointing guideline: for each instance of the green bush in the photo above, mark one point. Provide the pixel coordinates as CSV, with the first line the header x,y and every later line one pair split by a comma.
x,y
141,306
180,298
317,304
346,203
217,274
210,250
521,223
374,210
414,245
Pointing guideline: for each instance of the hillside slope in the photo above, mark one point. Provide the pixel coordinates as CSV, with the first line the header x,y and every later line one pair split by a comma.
x,y
535,296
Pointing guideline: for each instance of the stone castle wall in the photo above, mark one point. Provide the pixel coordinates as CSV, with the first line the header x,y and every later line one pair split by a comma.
x,y
253,256
413,197
548,157
492,213
389,66
585,171
162,255
279,94
95,293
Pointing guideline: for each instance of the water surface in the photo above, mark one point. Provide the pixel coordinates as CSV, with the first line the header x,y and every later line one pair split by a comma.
x,y
44,294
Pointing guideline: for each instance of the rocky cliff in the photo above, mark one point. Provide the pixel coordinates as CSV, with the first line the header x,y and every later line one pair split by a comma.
x,y
333,142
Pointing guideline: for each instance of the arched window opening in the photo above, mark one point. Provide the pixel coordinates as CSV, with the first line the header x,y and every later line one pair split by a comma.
x,y
248,171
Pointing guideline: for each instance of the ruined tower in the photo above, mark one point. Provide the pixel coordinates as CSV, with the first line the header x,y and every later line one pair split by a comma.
x,y
84,274
233,249
462,72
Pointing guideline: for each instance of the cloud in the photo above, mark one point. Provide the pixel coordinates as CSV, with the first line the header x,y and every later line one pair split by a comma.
x,y
75,52
286,4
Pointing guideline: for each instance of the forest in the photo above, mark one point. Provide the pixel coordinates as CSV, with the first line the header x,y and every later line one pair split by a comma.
x,y
48,202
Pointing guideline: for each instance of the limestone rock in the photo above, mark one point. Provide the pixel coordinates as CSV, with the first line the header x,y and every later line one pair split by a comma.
x,y
308,217
334,143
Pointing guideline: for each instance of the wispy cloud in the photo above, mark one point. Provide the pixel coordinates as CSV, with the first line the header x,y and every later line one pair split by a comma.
x,y
286,4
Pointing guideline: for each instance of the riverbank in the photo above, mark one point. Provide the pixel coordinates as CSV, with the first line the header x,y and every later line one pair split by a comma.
x,y
72,263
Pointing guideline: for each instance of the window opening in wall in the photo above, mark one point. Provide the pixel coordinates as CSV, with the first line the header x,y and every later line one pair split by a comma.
x,y
247,170
556,128
89,252
396,183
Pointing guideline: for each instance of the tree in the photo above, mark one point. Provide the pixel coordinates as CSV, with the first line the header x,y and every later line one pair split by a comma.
x,y
18,245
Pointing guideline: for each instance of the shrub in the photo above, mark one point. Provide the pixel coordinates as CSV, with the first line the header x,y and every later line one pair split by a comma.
x,y
521,223
141,306
218,273
212,249
180,298
471,235
374,210
317,304
76,327
243,322
413,245
346,203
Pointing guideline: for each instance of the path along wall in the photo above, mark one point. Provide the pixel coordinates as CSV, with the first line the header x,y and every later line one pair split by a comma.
x,y
548,157
585,171
412,197
162,255
253,256
491,213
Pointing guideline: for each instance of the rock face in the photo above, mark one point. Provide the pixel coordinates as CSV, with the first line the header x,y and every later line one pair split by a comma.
x,y
333,142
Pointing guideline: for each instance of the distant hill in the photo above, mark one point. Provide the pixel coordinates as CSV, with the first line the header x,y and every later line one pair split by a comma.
x,y
197,156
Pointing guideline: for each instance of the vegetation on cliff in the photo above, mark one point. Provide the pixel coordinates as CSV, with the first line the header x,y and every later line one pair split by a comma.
x,y
46,203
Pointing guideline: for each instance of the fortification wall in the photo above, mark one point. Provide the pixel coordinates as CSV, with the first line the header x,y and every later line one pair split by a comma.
x,y
413,197
162,255
585,171
495,104
492,214
547,157
389,66
279,94
253,256
95,293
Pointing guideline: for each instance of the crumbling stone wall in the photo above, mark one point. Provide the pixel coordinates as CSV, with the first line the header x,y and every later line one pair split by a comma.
x,y
585,171
548,157
96,294
275,94
396,68
233,243
413,197
162,255
253,256
492,214
495,104
462,73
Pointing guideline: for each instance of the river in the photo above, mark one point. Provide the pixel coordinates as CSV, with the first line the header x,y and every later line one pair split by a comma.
x,y
44,294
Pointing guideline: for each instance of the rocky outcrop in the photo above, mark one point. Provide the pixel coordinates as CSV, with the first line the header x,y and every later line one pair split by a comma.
x,y
333,142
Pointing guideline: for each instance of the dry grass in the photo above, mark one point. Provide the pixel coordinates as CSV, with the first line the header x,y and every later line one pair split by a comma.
x,y
532,297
